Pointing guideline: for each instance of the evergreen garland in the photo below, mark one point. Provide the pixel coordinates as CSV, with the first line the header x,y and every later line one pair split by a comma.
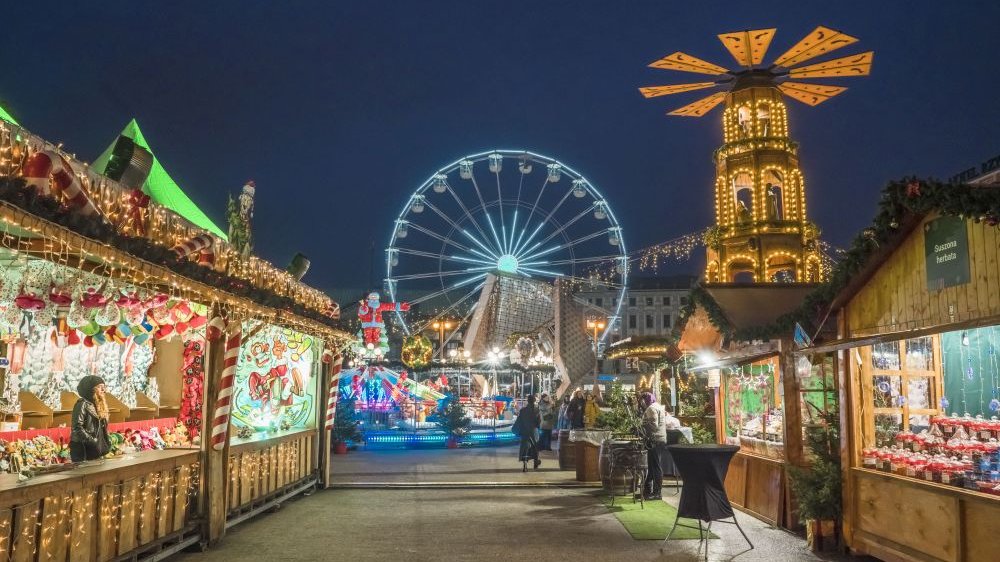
x,y
14,190
901,200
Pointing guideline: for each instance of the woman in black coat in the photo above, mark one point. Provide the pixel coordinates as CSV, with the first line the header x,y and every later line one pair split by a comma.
x,y
526,427
89,437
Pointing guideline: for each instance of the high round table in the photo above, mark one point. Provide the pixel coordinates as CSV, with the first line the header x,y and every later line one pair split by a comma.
x,y
703,491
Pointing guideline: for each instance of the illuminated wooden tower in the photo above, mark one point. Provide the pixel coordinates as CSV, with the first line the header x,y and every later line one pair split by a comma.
x,y
761,231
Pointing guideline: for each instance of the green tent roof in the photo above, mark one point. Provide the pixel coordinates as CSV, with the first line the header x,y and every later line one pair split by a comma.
x,y
8,117
160,186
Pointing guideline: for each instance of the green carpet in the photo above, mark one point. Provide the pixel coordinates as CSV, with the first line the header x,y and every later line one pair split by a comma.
x,y
651,523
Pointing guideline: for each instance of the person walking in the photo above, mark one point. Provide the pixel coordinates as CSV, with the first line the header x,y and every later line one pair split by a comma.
x,y
575,410
89,438
654,429
548,412
526,427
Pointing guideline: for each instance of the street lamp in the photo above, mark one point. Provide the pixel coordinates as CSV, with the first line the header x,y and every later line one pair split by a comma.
x,y
596,324
441,326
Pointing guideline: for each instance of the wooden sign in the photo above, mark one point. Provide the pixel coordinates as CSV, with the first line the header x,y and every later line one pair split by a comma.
x,y
946,249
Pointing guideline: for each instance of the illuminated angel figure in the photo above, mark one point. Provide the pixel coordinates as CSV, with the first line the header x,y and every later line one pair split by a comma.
x,y
370,313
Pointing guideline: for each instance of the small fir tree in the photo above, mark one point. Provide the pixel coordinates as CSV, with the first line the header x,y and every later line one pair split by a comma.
x,y
818,488
453,419
345,422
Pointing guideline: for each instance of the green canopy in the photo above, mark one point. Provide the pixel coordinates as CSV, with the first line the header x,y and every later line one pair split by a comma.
x,y
8,117
161,188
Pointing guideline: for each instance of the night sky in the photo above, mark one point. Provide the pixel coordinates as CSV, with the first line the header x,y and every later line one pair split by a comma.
x,y
338,110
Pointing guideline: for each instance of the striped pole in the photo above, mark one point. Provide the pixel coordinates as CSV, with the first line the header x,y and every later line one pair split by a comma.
x,y
202,245
223,404
331,403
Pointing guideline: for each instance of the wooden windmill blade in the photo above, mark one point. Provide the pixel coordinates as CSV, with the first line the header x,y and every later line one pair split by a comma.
x,y
687,63
852,65
655,91
748,47
811,94
700,107
822,40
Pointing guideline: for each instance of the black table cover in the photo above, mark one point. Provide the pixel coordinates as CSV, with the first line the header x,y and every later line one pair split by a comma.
x,y
667,465
703,469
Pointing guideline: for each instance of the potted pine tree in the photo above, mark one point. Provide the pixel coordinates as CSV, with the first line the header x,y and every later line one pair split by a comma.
x,y
345,426
818,488
454,421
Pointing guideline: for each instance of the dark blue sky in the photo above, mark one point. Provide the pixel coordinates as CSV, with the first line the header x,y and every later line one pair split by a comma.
x,y
339,110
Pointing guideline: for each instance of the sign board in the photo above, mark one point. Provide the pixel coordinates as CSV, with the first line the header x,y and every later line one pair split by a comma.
x,y
714,378
946,251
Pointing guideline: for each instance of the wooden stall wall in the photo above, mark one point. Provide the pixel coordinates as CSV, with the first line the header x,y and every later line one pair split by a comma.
x,y
896,297
903,520
262,470
888,516
124,507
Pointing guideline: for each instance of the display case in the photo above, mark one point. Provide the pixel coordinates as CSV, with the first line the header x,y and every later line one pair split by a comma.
x,y
753,408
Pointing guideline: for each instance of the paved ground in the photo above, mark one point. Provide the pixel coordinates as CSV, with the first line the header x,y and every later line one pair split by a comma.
x,y
539,522
475,466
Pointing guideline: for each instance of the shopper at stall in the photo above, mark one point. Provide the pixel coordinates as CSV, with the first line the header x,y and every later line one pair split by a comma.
x,y
590,411
563,420
526,426
654,429
89,437
575,410
548,412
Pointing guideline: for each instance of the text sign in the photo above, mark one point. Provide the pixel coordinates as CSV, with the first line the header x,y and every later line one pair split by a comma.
x,y
946,250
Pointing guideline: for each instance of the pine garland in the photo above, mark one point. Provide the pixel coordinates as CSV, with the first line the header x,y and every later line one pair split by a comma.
x,y
901,200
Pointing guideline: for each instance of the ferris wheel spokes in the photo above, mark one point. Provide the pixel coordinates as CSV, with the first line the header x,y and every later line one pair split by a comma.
x,y
546,221
438,293
531,214
465,210
489,219
452,273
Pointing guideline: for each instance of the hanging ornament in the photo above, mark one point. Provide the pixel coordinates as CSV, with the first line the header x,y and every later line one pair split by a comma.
x,y
913,189
945,403
991,219
884,387
994,405
135,213
894,224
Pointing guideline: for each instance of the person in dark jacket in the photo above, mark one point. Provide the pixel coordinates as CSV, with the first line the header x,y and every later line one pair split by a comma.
x,y
89,437
575,410
526,426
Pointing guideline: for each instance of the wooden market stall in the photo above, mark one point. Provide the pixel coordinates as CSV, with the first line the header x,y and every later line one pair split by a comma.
x,y
101,288
761,403
919,329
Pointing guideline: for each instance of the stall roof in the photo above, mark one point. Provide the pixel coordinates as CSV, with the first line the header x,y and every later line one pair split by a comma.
x,y
8,117
160,186
747,355
758,304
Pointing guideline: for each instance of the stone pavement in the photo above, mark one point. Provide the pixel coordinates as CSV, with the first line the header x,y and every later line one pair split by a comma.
x,y
479,466
538,522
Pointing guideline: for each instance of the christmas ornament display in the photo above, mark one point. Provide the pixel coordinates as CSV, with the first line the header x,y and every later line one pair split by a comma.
x,y
51,174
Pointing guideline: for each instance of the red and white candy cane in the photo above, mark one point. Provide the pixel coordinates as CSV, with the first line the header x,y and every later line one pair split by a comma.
x,y
49,173
224,402
331,403
202,244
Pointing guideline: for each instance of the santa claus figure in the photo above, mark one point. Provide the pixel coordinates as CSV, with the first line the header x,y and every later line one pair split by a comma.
x,y
370,313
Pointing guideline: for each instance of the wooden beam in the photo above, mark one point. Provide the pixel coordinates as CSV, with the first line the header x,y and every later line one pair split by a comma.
x,y
323,444
215,475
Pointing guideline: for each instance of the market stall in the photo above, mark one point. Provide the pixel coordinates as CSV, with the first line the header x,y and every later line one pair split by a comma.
x,y
97,280
918,350
762,401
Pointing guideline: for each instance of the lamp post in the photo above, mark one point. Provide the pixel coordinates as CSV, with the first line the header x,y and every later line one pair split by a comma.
x,y
596,324
441,326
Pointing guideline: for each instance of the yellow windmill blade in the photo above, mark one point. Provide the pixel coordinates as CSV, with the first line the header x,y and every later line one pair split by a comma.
x,y
700,107
821,41
748,47
811,94
655,91
853,65
687,63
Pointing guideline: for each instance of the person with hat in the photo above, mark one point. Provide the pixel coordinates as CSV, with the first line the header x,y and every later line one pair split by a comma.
x,y
89,437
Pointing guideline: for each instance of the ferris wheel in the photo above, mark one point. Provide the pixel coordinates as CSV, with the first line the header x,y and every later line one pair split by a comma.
x,y
502,212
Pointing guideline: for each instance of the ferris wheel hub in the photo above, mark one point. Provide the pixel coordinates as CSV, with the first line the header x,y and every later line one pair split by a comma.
x,y
507,263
